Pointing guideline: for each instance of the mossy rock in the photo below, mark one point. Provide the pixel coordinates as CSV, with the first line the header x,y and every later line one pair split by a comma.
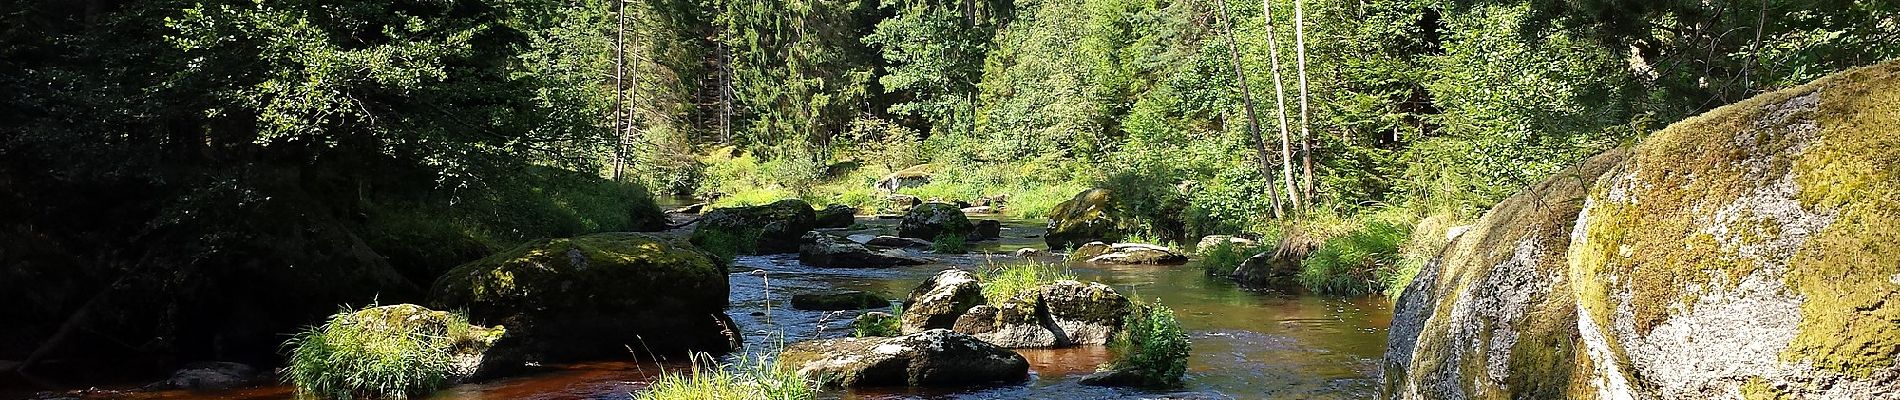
x,y
1088,217
930,358
836,216
768,229
1060,314
1756,242
1745,253
595,296
930,220
840,300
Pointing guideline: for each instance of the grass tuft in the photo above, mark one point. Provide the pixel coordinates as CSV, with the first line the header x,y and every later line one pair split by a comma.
x,y
1359,262
949,243
758,378
386,353
1002,283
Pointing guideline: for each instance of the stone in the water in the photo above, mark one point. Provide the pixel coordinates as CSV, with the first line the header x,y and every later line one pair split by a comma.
x,y
694,208
1127,253
1060,314
1028,252
836,216
821,250
1114,377
978,210
768,229
930,220
930,358
987,229
558,308
209,376
902,203
887,241
841,300
1089,217
938,302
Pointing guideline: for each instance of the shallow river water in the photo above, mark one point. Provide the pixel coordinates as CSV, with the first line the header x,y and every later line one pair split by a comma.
x,y
1246,344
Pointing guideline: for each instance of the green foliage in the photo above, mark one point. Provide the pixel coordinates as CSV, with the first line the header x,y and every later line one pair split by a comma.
x,y
759,378
372,355
880,327
1002,283
948,243
1221,259
1152,345
726,245
1358,262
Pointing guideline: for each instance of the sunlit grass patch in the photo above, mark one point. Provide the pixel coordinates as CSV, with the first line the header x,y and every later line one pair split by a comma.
x,y
759,378
1005,282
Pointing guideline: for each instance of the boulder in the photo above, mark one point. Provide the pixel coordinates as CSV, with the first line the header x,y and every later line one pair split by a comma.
x,y
1744,253
1211,241
1090,216
821,250
887,241
590,297
903,202
1128,254
938,302
929,220
840,300
908,177
930,358
210,376
1028,252
836,216
768,229
1061,314
1116,378
987,229
694,208
1279,267
978,210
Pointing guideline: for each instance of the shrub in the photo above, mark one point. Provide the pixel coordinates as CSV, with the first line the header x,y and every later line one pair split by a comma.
x,y
1002,283
758,378
391,352
1225,256
1151,345
948,243
866,326
1358,262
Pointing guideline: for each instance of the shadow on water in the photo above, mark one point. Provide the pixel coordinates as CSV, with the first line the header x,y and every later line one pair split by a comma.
x,y
1247,344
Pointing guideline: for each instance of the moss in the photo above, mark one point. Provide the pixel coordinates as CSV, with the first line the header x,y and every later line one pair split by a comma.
x,y
1851,319
1759,389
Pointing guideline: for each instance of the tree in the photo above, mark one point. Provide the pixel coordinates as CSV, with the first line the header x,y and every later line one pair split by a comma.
x,y
1253,123
1279,95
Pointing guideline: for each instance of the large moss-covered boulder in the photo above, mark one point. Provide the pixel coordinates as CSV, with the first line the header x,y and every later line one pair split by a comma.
x,y
1089,217
930,220
1061,314
930,358
595,296
822,250
938,301
768,229
1745,253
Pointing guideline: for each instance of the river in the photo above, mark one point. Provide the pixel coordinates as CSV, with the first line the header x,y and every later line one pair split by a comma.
x,y
1246,344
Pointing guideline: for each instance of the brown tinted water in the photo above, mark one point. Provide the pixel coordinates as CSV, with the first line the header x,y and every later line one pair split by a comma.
x,y
1247,344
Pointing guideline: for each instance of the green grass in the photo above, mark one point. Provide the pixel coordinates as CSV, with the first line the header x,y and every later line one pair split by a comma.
x,y
1002,283
388,356
880,327
949,243
758,378
1222,258
1358,262
1152,345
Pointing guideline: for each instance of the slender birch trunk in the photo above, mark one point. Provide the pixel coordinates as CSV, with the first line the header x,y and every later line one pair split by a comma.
x,y
1306,137
1279,95
1253,122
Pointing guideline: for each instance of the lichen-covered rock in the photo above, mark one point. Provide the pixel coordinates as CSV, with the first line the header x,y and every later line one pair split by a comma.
x,y
593,296
1088,217
1745,253
821,250
908,177
768,229
1209,242
212,376
836,216
1134,253
839,300
930,358
929,220
1061,314
887,241
938,302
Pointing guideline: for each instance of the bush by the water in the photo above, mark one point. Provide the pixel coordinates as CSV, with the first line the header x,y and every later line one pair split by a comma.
x,y
758,378
389,352
1001,283
949,243
1225,256
1358,262
1152,346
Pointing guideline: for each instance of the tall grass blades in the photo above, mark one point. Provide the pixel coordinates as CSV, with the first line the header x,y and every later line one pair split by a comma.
x,y
1002,283
386,355
759,378
1224,257
949,243
1358,262
1152,345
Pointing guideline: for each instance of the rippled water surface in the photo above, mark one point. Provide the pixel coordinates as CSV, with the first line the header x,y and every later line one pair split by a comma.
x,y
1247,344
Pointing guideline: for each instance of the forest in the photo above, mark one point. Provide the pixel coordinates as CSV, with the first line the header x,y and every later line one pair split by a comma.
x,y
199,181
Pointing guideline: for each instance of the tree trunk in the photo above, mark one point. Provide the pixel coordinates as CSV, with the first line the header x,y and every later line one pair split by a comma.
x,y
1279,95
620,88
1306,137
1253,123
